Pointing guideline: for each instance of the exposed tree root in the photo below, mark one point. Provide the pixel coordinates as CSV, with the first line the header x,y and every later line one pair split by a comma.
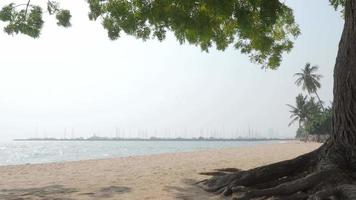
x,y
259,175
345,191
288,188
301,178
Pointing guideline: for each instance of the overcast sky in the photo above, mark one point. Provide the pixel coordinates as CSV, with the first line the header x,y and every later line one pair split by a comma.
x,y
78,80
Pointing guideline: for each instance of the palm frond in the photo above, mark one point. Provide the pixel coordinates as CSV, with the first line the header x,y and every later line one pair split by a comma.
x,y
317,84
298,74
314,68
299,81
292,107
293,120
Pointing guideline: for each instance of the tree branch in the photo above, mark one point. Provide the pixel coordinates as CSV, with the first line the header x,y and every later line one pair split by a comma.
x,y
27,5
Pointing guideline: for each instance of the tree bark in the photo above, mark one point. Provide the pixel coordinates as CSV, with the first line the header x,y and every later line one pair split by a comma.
x,y
321,104
343,137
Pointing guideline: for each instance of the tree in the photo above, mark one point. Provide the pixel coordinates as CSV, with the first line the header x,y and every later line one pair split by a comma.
x,y
26,18
300,133
263,29
309,80
319,122
308,113
299,112
315,118
314,113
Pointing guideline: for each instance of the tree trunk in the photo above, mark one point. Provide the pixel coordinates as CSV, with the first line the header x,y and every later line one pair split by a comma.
x,y
344,105
326,173
321,104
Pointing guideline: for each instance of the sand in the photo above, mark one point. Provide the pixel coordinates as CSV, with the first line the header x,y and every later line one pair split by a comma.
x,y
164,176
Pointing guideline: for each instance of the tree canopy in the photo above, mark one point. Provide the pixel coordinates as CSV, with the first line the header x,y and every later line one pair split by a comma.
x,y
26,18
308,78
299,112
263,29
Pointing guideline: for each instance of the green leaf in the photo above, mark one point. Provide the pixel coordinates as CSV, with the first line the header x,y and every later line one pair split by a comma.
x,y
337,3
63,18
6,13
263,29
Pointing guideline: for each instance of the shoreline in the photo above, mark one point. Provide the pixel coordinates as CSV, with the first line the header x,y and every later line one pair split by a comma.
x,y
249,143
155,139
159,176
153,154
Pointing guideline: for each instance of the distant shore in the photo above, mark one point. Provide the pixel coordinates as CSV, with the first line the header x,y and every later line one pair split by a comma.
x,y
164,176
154,139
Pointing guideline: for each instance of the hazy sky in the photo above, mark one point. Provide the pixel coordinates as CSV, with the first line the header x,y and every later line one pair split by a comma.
x,y
77,79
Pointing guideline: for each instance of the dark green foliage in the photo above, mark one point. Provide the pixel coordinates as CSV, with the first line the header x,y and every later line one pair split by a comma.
x,y
337,3
260,28
263,29
311,117
300,133
63,17
27,21
27,18
96,10
308,78
319,123
6,13
312,108
300,111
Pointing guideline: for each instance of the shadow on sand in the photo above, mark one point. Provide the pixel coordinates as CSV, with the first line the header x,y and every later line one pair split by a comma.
x,y
190,191
49,193
108,192
59,192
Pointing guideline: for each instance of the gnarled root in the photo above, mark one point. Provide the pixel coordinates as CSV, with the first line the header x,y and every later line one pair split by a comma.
x,y
264,174
345,191
298,179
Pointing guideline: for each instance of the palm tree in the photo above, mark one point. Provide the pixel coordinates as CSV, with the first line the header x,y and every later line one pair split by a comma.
x,y
304,112
299,112
309,80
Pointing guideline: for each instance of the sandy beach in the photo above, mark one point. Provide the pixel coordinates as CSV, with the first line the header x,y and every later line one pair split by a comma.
x,y
164,176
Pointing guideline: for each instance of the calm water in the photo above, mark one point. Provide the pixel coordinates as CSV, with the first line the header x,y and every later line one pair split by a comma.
x,y
13,153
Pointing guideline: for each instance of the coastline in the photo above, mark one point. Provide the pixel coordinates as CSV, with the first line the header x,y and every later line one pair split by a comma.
x,y
37,152
161,176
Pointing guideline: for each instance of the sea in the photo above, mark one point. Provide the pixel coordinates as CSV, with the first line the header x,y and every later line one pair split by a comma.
x,y
34,152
